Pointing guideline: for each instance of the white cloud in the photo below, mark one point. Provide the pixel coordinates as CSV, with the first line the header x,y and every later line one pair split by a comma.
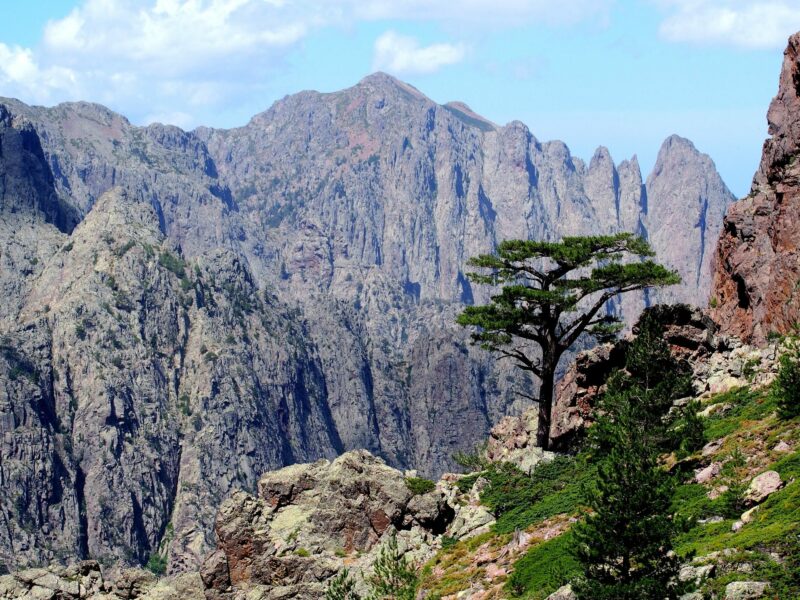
x,y
483,13
753,24
403,55
172,58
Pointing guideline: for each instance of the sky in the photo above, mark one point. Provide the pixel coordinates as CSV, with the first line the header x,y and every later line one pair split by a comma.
x,y
625,74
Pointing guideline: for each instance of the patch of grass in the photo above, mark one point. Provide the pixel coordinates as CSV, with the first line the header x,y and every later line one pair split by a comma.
x,y
519,500
419,485
452,569
746,405
544,569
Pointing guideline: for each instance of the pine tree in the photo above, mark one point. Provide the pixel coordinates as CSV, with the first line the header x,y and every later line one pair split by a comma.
x,y
394,578
342,587
553,292
786,387
625,543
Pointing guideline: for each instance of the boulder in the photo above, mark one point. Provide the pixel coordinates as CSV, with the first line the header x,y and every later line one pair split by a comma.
x,y
309,521
708,473
745,590
513,440
563,593
762,486
696,573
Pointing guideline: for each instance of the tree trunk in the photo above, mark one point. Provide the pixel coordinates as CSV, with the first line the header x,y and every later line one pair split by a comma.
x,y
545,408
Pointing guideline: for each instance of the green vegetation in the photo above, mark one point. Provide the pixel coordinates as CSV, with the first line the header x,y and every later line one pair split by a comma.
x,y
519,500
157,564
342,587
625,544
173,264
786,387
551,295
544,569
302,553
393,578
419,485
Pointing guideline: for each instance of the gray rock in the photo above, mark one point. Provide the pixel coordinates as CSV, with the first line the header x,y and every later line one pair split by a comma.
x,y
563,593
762,486
744,590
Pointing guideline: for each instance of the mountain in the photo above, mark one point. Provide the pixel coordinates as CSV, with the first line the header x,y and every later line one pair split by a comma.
x,y
757,268
184,311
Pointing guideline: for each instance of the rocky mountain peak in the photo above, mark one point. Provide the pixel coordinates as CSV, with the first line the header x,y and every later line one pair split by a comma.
x,y
757,267
783,117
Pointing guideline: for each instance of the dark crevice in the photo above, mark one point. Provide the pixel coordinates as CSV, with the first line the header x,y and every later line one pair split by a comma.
x,y
741,292
83,527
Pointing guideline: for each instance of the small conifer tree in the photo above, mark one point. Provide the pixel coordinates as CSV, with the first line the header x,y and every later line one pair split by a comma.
x,y
342,587
786,387
393,578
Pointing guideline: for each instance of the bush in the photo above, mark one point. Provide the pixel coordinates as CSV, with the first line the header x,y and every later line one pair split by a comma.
x,y
342,587
157,564
394,578
786,387
419,485
690,430
172,263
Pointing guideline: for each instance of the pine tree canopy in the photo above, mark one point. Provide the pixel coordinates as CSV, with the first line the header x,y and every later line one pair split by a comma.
x,y
552,292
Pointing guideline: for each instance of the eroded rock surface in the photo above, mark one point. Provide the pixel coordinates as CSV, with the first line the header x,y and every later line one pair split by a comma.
x,y
310,520
757,267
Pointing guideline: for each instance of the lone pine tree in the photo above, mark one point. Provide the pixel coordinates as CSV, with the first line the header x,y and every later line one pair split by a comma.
x,y
552,292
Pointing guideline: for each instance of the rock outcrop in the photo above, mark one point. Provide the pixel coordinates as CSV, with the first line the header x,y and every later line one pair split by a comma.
x,y
186,310
755,290
309,521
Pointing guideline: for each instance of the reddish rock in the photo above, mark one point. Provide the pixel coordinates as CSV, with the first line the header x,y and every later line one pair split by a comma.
x,y
690,333
757,262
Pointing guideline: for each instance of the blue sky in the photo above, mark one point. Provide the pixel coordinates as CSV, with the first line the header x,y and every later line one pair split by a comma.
x,y
621,73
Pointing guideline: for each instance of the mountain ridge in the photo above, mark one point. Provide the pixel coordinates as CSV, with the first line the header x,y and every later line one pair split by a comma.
x,y
295,298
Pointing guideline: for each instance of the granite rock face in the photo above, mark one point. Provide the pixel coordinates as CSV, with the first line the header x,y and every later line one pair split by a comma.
x,y
309,520
186,310
757,266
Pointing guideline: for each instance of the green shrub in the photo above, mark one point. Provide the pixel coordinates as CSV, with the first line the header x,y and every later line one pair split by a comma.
x,y
342,587
419,485
393,578
157,564
519,500
302,552
172,263
786,387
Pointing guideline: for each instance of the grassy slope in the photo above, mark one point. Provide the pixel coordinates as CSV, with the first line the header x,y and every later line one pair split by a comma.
x,y
749,430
